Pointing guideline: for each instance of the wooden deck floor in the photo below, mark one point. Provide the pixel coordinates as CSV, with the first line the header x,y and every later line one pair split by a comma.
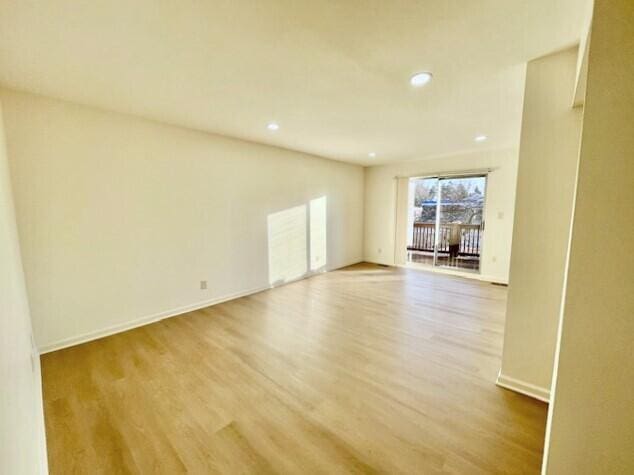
x,y
362,370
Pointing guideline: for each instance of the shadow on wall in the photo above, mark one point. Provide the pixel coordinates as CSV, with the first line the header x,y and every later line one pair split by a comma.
x,y
297,241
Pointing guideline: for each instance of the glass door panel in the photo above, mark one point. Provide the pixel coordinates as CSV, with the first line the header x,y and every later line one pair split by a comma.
x,y
460,222
421,232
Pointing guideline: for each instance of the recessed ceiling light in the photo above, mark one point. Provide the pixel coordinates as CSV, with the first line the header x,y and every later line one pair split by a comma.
x,y
273,126
372,154
480,138
420,79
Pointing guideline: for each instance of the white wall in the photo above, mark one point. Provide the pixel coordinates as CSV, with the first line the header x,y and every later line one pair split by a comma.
x,y
380,205
121,218
22,441
591,419
549,150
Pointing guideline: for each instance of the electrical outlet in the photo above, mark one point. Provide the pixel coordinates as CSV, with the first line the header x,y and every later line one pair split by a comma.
x,y
500,214
494,259
379,250
203,285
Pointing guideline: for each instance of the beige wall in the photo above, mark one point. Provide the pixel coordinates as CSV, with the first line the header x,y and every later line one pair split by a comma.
x,y
591,420
380,205
549,150
121,218
22,444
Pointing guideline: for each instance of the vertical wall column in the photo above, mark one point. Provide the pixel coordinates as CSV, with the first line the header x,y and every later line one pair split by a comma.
x,y
549,150
22,441
591,419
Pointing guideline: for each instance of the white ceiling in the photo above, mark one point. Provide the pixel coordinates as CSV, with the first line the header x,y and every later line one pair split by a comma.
x,y
333,73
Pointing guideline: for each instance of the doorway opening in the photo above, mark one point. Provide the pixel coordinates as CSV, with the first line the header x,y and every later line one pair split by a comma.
x,y
445,226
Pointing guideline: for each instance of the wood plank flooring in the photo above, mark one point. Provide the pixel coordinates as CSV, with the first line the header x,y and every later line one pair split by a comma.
x,y
362,370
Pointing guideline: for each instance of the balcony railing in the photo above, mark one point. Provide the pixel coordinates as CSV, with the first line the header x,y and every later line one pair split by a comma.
x,y
424,237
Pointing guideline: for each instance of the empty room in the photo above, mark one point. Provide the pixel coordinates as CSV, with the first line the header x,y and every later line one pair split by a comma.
x,y
303,237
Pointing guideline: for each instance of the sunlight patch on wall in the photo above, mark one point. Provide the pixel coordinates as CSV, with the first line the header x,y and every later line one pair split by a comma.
x,y
318,247
298,241
287,244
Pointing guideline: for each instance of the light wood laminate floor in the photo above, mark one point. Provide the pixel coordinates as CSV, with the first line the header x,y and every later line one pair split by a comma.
x,y
362,370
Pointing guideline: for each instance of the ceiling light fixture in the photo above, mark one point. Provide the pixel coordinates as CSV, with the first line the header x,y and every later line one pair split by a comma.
x,y
480,138
420,79
272,126
372,154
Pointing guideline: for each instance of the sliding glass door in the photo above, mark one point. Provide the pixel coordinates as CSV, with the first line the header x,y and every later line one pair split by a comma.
x,y
446,221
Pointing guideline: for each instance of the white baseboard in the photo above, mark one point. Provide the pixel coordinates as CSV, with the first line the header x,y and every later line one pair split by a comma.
x,y
523,387
138,322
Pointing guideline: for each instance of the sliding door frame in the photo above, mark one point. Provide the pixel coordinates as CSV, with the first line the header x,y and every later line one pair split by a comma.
x,y
455,175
